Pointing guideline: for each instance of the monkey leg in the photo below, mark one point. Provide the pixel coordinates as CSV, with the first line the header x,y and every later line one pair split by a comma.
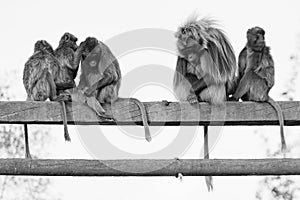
x,y
27,151
52,85
94,104
247,81
214,94
181,87
258,90
42,90
198,85
208,179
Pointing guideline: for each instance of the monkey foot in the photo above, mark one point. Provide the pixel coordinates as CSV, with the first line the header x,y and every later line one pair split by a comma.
x,y
165,102
63,97
192,99
106,116
232,99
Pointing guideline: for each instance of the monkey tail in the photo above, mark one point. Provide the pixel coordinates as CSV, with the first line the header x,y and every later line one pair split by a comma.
x,y
208,179
27,151
144,118
275,105
64,118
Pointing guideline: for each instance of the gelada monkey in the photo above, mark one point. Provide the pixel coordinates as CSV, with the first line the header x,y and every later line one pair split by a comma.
x,y
39,77
67,71
101,77
256,74
206,67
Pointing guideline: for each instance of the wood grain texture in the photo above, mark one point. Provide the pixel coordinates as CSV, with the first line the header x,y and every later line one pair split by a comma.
x,y
127,113
188,167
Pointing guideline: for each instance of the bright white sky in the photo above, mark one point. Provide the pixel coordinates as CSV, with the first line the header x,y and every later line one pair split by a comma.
x,y
25,22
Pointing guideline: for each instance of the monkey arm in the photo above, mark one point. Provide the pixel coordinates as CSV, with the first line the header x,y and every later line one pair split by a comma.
x,y
242,63
267,73
110,76
197,84
64,86
107,80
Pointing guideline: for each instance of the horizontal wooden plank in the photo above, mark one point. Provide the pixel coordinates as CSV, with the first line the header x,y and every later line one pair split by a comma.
x,y
174,113
189,167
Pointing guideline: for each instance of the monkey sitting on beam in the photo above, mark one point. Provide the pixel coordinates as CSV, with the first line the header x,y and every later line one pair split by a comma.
x,y
205,69
64,53
256,74
100,79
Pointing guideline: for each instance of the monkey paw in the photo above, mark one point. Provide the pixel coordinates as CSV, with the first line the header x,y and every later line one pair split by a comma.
x,y
192,99
232,99
63,97
90,91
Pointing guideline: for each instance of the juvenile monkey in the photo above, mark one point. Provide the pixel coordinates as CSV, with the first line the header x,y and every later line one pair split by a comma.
x,y
67,71
65,55
256,74
39,78
205,69
100,79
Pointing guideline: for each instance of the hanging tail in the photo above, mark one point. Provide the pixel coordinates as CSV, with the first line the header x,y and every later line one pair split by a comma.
x,y
64,118
208,179
144,118
276,106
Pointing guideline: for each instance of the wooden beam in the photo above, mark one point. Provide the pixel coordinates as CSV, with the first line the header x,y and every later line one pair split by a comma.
x,y
233,113
215,167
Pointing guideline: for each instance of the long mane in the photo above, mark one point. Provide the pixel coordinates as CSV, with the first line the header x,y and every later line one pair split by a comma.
x,y
212,38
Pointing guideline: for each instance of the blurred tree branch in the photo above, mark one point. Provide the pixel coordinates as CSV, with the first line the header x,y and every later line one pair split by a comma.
x,y
12,146
282,187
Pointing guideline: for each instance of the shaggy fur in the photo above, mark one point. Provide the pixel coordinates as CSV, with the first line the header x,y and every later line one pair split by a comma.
x,y
217,63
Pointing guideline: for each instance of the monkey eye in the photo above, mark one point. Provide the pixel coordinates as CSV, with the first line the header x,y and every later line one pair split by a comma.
x,y
190,57
93,63
183,31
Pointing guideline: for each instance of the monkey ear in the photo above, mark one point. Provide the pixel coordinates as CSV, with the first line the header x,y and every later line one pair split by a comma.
x,y
66,36
44,42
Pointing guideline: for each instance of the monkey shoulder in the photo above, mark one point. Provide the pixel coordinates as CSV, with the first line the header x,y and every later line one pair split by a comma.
x,y
64,54
267,57
63,51
243,53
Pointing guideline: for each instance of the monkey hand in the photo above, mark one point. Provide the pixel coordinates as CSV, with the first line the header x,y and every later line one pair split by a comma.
x,y
192,98
90,91
232,98
63,97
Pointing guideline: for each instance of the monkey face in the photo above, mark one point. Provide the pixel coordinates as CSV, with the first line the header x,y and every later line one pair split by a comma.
x,y
192,51
256,38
